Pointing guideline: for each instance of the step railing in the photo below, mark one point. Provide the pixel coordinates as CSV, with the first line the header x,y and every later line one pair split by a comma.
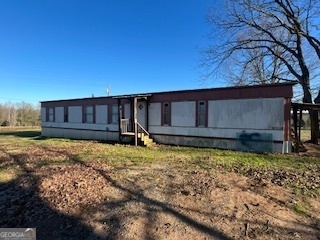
x,y
142,128
125,123
125,127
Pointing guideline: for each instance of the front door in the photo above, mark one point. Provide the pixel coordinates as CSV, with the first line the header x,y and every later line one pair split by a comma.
x,y
142,113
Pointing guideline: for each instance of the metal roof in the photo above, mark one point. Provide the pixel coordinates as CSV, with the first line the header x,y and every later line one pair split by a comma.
x,y
143,95
306,106
133,96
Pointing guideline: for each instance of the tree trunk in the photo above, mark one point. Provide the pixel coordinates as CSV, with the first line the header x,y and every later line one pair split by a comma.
x,y
317,101
314,117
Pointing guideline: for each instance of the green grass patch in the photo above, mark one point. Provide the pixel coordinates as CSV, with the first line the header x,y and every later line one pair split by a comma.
x,y
39,152
300,209
115,153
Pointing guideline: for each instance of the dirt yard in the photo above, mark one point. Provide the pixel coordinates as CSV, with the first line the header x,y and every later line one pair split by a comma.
x,y
93,200
88,190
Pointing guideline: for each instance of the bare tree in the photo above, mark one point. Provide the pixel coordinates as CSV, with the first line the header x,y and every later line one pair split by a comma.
x,y
274,41
19,114
254,66
27,114
7,114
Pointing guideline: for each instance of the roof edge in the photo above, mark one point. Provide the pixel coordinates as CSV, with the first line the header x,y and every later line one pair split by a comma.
x,y
291,83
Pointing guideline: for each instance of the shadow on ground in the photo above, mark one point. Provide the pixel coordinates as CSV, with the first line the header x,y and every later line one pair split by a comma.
x,y
21,207
26,133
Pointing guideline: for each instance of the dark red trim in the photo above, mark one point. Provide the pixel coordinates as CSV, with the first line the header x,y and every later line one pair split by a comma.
x,y
162,114
169,114
84,113
80,102
287,120
53,113
110,112
267,91
282,90
206,113
47,114
65,114
197,113
94,113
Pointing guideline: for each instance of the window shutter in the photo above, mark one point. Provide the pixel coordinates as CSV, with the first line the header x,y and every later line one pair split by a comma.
x,y
109,114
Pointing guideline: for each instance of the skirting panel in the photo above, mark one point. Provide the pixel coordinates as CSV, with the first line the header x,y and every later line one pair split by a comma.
x,y
80,134
211,143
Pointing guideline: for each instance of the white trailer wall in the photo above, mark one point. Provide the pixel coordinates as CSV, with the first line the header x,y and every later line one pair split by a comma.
x,y
101,114
76,129
248,114
183,114
226,119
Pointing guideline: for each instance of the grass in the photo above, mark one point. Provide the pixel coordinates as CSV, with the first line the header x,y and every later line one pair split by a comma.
x,y
54,151
301,209
305,134
6,177
116,153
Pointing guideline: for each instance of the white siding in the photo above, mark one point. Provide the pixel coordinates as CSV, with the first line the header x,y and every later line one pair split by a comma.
x,y
75,114
101,114
79,134
226,119
59,114
183,114
246,114
155,114
43,114
209,132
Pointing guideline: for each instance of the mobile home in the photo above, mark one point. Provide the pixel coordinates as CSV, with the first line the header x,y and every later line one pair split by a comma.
x,y
249,118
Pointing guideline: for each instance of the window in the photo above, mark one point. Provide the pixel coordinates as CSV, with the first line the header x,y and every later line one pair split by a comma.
x,y
202,114
166,114
114,114
50,114
88,114
66,118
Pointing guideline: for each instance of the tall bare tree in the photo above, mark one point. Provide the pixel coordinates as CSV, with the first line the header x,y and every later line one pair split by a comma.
x,y
254,66
274,39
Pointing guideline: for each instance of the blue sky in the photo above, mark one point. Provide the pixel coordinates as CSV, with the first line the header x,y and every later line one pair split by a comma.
x,y
60,49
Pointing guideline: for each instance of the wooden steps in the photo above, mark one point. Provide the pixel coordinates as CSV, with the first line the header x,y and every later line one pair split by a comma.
x,y
145,140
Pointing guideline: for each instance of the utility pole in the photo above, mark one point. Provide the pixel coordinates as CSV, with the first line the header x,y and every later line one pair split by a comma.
x,y
108,90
